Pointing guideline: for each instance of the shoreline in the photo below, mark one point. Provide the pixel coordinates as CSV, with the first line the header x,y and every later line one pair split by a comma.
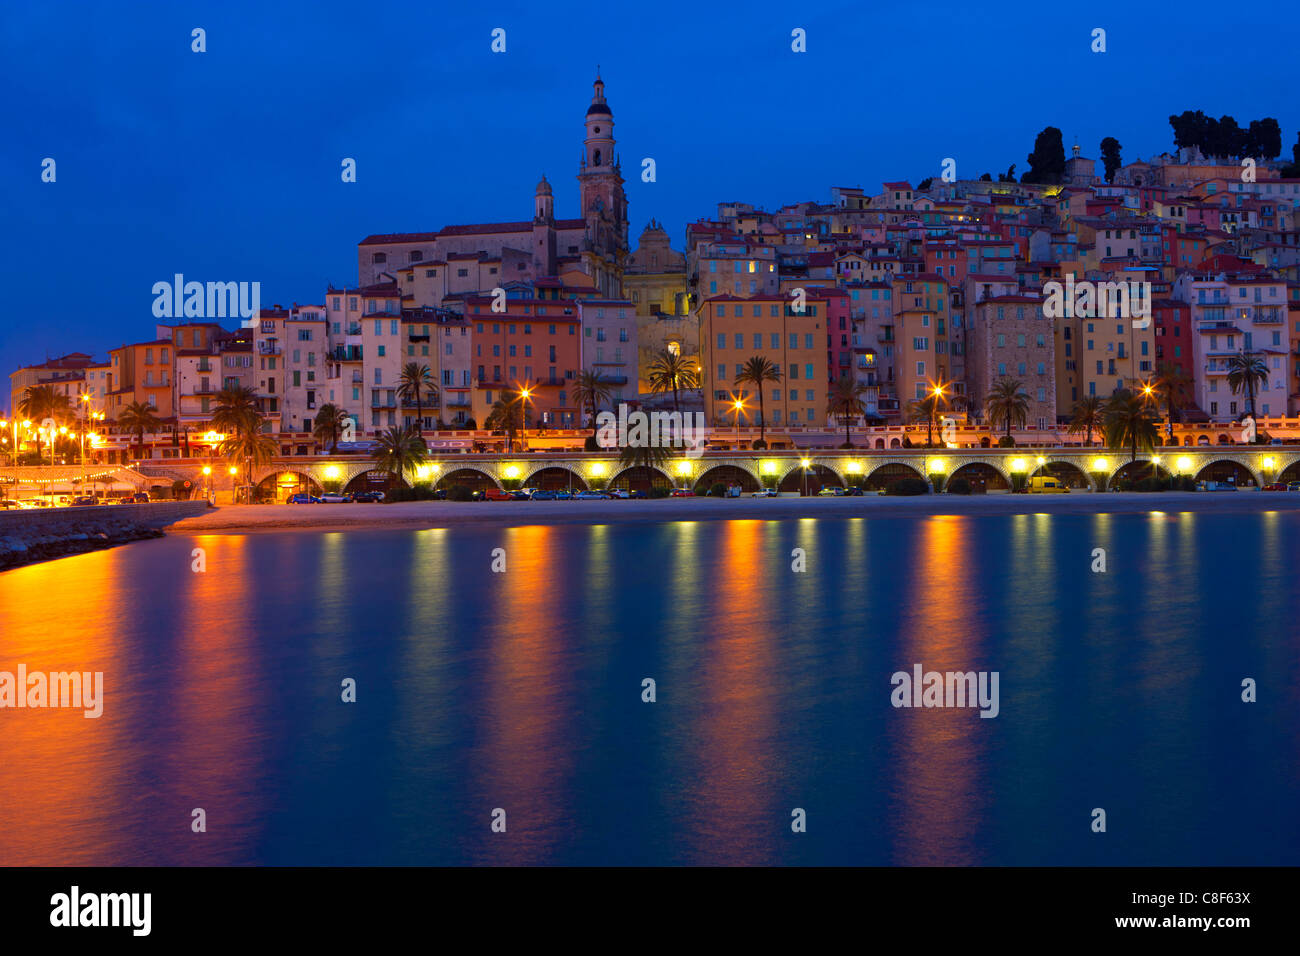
x,y
255,519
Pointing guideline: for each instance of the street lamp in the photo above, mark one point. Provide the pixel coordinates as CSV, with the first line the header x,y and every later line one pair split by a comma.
x,y
805,463
525,394
738,406
233,472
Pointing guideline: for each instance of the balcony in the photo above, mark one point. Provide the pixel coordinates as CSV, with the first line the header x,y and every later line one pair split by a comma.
x,y
417,338
268,348
377,402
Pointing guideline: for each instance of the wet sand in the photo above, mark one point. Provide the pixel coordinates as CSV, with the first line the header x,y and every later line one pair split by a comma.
x,y
239,519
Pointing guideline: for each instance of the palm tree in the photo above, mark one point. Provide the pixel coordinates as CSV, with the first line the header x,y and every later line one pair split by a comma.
x,y
138,418
755,372
591,390
643,456
40,402
416,381
845,400
506,416
1127,421
1007,404
671,371
927,410
399,450
253,448
329,425
1175,386
1087,416
237,412
1247,371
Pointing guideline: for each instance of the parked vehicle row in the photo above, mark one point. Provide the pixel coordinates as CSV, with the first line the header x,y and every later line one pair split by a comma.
x,y
337,498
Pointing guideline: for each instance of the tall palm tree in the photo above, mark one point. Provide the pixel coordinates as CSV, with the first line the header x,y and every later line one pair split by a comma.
x,y
329,425
40,402
591,390
399,450
671,371
507,416
1247,371
1127,421
927,410
1175,387
1007,404
845,401
138,418
416,381
237,411
1087,416
643,456
252,448
755,372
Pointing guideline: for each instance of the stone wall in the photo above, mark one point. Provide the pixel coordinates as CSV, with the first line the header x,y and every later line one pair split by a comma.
x,y
37,535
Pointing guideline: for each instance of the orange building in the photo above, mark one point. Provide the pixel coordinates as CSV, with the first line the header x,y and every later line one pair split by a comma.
x,y
535,343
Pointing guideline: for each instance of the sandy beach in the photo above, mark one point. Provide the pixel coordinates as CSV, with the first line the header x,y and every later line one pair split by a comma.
x,y
240,519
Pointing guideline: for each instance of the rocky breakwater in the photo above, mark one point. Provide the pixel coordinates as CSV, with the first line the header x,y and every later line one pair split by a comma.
x,y
30,536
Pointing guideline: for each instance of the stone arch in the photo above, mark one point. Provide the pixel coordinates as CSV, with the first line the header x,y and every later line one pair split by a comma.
x,y
1187,441
1228,470
641,478
818,475
275,487
882,475
1202,441
982,477
475,479
373,479
1223,439
1137,470
1068,473
880,444
728,475
555,478
895,443
1290,472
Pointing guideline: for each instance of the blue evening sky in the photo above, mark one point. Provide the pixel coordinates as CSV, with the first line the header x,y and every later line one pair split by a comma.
x,y
225,165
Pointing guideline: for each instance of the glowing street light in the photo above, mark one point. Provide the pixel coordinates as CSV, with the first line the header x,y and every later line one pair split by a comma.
x,y
1184,464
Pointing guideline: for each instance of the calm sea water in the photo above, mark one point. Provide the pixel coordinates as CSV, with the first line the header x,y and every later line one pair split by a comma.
x,y
522,691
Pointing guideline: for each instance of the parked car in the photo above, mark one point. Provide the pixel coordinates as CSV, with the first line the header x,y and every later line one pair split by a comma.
x,y
336,498
521,495
1047,485
618,493
368,497
140,498
83,500
1218,486
638,493
541,494
831,491
7,503
854,491
591,496
497,494
765,493
301,499
1293,486
681,493
563,495
1275,486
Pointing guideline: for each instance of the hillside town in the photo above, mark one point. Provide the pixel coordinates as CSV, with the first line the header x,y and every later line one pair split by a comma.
x,y
1175,278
